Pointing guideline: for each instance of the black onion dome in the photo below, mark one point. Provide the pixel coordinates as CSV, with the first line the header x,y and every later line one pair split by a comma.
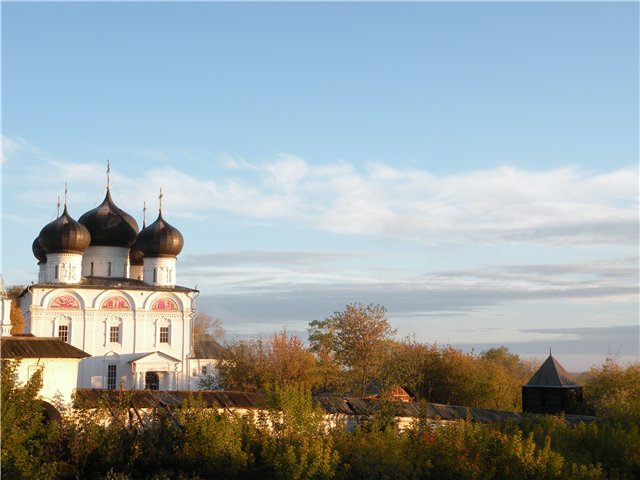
x,y
38,251
136,257
110,226
64,235
160,239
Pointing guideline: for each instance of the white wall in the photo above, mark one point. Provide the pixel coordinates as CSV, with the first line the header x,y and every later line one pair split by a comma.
x,y
59,379
89,328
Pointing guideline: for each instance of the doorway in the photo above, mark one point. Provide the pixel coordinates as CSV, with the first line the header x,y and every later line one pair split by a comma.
x,y
152,381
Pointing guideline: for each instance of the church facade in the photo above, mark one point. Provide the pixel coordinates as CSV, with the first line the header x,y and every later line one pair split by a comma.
x,y
109,289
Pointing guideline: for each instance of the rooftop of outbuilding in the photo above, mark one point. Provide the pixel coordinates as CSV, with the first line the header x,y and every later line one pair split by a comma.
x,y
552,374
38,347
336,405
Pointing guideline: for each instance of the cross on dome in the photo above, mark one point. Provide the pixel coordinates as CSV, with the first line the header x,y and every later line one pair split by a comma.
x,y
144,214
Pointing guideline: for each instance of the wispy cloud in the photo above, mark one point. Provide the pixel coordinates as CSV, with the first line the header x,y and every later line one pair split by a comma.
x,y
11,146
561,206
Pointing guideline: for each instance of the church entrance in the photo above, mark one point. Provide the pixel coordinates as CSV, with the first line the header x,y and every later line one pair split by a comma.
x,y
151,381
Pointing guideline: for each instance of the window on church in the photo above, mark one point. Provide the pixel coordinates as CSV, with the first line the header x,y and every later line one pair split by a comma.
x,y
111,377
164,334
114,334
91,269
204,369
63,333
109,274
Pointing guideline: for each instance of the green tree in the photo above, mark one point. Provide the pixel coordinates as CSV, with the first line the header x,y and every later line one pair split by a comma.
x,y
357,337
293,441
26,439
613,391
242,366
405,364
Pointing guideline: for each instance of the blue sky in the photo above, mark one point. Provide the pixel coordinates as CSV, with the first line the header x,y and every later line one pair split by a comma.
x,y
471,166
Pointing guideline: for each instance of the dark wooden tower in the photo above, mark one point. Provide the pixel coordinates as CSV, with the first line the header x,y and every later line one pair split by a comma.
x,y
551,390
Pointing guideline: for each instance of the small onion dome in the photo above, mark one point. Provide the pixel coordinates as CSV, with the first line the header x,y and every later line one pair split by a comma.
x,y
64,235
160,239
38,251
110,226
136,257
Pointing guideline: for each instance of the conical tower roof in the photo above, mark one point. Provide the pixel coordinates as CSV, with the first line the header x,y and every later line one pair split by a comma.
x,y
552,374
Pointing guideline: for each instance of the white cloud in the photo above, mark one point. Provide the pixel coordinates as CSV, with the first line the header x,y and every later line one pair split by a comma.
x,y
12,146
565,205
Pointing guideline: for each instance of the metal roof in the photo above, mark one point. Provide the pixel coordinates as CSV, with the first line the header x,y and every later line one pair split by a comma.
x,y
90,397
552,374
206,348
38,347
110,282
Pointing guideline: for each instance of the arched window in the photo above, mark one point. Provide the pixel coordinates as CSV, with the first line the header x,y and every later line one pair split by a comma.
x,y
115,302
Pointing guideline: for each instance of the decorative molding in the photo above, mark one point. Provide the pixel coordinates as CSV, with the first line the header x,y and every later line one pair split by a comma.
x,y
165,304
115,302
65,301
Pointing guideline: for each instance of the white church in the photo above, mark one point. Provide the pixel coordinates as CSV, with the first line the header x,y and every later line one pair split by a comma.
x,y
109,290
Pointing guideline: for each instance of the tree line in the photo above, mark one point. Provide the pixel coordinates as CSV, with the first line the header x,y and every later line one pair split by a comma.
x,y
347,353
290,440
354,352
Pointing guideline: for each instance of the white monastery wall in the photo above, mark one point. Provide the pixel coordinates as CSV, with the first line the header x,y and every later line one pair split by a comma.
x,y
59,377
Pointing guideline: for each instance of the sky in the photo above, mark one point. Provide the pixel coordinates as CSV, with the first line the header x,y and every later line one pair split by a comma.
x,y
473,167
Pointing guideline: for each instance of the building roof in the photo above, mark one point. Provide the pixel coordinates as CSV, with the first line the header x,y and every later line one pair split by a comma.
x,y
552,374
64,235
148,356
335,405
160,239
109,225
110,282
38,347
206,348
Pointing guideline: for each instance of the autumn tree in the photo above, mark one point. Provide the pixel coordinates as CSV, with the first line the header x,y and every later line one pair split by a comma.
x,y
241,366
206,326
356,339
280,360
502,374
16,316
404,364
613,391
